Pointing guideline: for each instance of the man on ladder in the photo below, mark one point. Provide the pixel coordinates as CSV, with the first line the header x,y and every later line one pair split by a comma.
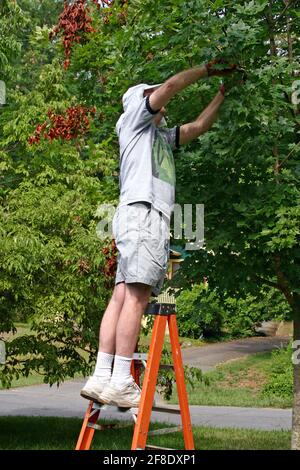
x,y
141,223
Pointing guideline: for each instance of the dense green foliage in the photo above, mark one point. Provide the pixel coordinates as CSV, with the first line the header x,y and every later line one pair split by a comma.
x,y
202,312
199,313
245,170
51,260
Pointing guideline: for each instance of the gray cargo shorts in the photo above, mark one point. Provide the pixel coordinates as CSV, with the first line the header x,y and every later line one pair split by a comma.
x,y
142,237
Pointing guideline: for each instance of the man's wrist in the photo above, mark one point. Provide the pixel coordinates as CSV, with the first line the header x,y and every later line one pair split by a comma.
x,y
222,89
203,71
207,67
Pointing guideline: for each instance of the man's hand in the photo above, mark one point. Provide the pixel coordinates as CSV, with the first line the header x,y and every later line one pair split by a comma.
x,y
219,68
228,84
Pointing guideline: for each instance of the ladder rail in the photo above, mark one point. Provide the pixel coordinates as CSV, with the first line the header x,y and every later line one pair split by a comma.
x,y
180,383
150,378
87,433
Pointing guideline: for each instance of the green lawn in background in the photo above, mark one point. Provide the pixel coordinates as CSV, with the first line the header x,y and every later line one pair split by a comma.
x,y
47,433
237,383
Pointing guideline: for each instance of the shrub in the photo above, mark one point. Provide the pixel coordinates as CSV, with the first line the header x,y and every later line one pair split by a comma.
x,y
203,312
199,313
243,314
281,374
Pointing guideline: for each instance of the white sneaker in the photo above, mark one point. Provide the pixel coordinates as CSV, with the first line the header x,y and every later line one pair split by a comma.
x,y
127,396
93,388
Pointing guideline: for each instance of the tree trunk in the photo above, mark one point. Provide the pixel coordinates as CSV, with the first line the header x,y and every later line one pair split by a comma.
x,y
296,406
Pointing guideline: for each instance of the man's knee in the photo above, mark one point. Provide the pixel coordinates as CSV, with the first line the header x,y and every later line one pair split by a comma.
x,y
119,293
138,293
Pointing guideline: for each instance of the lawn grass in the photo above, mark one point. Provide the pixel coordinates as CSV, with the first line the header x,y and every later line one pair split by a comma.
x,y
32,379
237,383
49,433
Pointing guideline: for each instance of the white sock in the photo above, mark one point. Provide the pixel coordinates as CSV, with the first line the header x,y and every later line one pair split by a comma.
x,y
121,371
103,366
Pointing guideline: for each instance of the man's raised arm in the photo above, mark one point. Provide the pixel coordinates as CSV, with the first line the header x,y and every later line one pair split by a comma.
x,y
162,95
175,84
203,123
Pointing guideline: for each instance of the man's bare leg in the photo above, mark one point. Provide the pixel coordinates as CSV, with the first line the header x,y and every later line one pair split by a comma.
x,y
107,335
103,369
128,327
122,390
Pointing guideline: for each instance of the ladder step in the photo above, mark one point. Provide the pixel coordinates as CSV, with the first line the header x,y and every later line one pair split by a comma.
x,y
104,407
144,357
166,409
102,427
160,309
151,447
166,367
144,360
165,431
156,432
158,408
140,356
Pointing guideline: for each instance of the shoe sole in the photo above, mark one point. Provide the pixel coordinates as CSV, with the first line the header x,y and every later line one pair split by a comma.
x,y
125,404
90,396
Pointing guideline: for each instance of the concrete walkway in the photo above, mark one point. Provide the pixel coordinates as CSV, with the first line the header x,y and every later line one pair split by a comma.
x,y
65,401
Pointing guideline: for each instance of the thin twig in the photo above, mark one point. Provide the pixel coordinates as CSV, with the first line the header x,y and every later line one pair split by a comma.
x,y
288,156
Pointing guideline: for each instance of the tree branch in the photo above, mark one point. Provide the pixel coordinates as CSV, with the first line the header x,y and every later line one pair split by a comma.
x,y
267,282
289,154
288,4
270,23
283,284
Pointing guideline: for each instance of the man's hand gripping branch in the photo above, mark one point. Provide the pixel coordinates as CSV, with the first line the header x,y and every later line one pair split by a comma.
x,y
162,95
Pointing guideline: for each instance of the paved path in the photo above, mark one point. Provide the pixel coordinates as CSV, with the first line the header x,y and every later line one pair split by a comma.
x,y
41,400
207,357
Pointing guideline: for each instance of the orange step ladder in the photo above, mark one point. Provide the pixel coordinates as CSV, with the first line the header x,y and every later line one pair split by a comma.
x,y
165,315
